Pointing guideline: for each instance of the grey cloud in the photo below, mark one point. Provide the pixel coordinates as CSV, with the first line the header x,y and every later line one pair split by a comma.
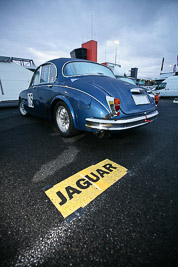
x,y
147,30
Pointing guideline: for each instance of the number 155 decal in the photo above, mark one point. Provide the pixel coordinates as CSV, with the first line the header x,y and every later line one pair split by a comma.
x,y
30,100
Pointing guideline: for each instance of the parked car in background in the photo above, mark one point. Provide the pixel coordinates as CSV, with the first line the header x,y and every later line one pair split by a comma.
x,y
148,90
126,79
84,95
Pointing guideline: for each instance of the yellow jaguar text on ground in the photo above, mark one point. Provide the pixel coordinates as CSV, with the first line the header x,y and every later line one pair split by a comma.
x,y
81,188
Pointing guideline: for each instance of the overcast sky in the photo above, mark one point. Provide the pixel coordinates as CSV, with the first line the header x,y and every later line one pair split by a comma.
x,y
42,29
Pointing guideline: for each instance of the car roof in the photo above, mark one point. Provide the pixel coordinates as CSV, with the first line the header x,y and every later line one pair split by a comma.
x,y
62,61
59,63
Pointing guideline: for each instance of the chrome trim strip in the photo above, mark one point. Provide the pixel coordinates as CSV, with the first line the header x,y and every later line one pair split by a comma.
x,y
116,128
119,124
40,74
120,121
65,86
136,90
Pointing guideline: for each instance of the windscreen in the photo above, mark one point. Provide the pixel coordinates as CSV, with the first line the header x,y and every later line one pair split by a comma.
x,y
86,68
161,86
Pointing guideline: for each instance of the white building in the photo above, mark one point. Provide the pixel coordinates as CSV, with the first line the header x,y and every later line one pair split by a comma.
x,y
13,79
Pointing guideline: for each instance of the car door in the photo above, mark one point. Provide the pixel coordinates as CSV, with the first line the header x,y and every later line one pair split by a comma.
x,y
31,101
43,92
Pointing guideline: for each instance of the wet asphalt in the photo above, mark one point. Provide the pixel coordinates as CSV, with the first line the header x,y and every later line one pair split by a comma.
x,y
133,223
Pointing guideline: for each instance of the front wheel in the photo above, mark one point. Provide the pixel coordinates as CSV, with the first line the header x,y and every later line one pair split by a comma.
x,y
64,120
22,109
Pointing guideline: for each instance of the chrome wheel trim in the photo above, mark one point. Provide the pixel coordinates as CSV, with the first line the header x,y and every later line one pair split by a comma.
x,y
22,108
62,119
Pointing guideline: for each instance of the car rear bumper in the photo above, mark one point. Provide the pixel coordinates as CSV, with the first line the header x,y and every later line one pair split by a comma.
x,y
120,124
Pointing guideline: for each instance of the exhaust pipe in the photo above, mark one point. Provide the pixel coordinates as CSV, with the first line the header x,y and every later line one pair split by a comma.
x,y
103,134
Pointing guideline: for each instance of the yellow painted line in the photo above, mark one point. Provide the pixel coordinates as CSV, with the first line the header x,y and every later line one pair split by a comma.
x,y
81,188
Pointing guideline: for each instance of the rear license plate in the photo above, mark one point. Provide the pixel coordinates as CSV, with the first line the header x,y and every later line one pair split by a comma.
x,y
141,99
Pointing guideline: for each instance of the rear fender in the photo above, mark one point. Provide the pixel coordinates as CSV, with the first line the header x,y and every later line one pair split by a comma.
x,y
66,101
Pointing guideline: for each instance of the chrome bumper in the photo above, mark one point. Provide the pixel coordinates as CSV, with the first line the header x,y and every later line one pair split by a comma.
x,y
120,124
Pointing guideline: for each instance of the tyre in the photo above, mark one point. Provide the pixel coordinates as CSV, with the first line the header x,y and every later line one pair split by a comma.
x,y
22,109
64,120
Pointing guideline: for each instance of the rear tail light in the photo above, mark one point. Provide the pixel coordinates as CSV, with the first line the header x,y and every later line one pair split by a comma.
x,y
117,105
114,104
156,99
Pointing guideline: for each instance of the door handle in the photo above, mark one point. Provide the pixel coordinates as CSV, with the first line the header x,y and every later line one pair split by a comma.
x,y
50,85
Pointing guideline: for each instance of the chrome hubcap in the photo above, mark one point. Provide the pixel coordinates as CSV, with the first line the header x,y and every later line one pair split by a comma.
x,y
22,109
62,118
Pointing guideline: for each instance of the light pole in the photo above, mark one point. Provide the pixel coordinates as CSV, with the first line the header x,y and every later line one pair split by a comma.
x,y
116,43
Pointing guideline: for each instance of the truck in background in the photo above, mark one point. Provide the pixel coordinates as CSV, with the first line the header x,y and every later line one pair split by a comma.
x,y
14,78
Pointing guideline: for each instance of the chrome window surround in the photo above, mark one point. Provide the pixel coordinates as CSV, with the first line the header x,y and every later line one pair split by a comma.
x,y
40,67
32,83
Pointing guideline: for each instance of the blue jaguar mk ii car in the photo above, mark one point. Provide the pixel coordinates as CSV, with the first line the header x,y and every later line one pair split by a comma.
x,y
84,95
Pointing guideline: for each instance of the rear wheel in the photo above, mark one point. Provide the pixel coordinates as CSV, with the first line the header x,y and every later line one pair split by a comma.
x,y
22,109
64,120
